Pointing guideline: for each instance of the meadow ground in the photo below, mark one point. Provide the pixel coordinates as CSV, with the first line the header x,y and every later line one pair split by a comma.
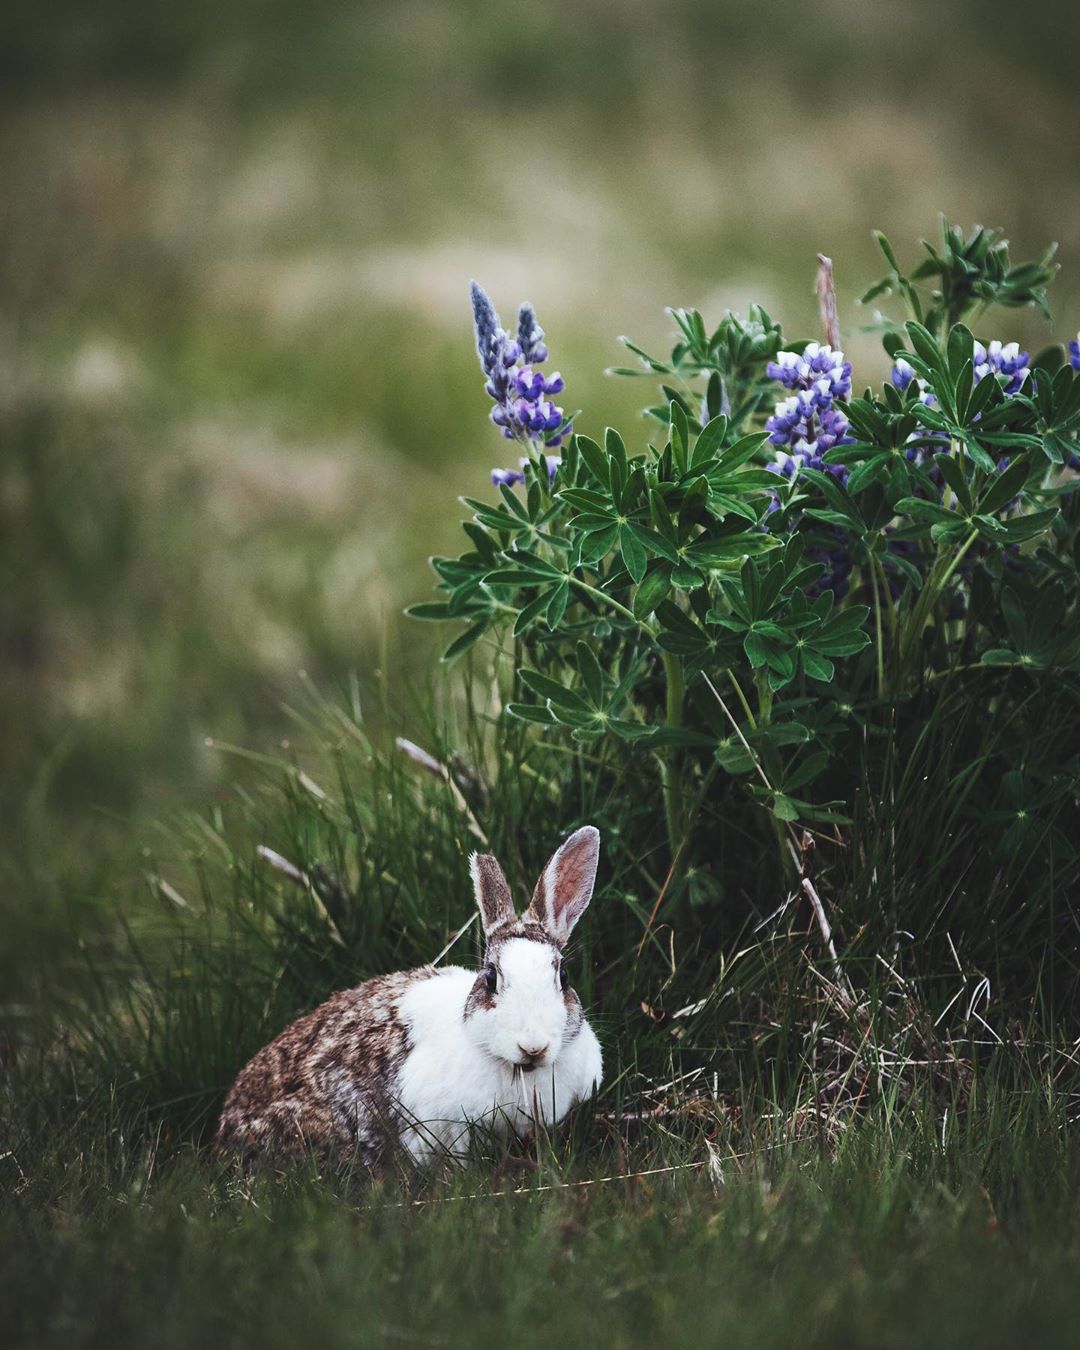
x,y
238,400
905,1234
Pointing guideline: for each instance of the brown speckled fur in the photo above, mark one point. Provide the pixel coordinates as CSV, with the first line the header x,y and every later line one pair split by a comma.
x,y
326,1084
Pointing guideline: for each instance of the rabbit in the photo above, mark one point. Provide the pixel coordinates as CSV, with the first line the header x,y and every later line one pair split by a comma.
x,y
420,1057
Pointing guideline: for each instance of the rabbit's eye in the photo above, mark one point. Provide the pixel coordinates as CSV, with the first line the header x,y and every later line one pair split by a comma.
x,y
564,979
491,978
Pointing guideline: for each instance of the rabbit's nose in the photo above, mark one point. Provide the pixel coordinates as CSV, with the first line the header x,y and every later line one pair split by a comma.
x,y
532,1053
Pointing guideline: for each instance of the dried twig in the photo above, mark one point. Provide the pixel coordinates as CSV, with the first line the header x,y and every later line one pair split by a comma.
x,y
304,881
826,294
437,769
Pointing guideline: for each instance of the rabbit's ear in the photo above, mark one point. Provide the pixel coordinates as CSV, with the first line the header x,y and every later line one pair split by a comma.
x,y
492,892
566,884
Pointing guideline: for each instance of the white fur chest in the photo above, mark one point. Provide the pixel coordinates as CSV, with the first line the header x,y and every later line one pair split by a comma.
x,y
447,1083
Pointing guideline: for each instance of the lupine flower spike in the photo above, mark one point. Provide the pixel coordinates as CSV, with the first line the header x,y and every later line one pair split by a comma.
x,y
521,393
805,426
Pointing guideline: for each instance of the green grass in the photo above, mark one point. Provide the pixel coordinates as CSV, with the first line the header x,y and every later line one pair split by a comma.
x,y
901,1232
778,1165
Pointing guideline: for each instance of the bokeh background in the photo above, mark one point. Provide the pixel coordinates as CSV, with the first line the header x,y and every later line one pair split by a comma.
x,y
238,393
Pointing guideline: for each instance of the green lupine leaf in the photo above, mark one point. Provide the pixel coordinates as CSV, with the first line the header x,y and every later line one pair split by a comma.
x,y
532,712
530,612
526,558
655,543
686,577
516,576
1005,487
724,506
594,458
557,694
493,518
465,640
587,524
633,555
692,507
560,598
586,499
923,510
680,434
709,441
756,649
1027,527
653,590
817,667
616,450
783,808
869,471
740,451
951,471
717,552
925,347
432,612
978,455
661,516
514,503
591,675
599,544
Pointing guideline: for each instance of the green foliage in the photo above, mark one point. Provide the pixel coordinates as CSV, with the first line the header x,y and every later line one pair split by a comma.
x,y
962,274
680,596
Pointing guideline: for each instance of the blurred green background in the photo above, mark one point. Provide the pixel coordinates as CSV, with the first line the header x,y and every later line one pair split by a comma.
x,y
238,393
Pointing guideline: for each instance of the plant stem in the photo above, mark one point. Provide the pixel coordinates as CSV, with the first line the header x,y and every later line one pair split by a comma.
x,y
616,605
764,696
936,582
670,776
742,699
878,648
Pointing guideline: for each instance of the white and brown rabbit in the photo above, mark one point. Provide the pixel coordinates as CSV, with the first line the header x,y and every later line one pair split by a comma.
x,y
422,1056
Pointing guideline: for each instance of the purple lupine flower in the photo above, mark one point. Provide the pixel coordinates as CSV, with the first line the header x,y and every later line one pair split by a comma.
x,y
806,425
530,335
817,368
902,375
523,410
506,477
511,477
802,431
1074,353
534,384
1004,360
486,323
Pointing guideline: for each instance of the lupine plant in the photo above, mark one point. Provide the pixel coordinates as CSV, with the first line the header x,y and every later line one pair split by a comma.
x,y
782,570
